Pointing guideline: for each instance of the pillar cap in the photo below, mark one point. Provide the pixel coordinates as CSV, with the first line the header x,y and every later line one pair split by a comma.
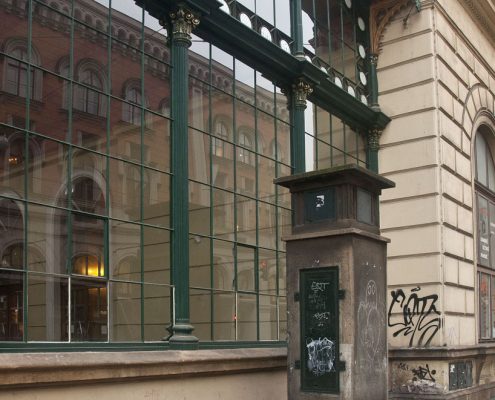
x,y
349,173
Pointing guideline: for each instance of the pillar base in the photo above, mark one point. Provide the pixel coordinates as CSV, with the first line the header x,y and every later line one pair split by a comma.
x,y
182,337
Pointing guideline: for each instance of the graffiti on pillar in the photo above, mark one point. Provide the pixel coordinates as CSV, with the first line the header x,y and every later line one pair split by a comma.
x,y
369,318
321,355
423,373
419,319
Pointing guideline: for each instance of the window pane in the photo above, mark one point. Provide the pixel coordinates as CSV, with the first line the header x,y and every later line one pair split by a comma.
x,y
47,239
200,302
157,316
199,262
156,197
485,310
246,279
199,208
483,232
47,309
156,255
125,251
223,265
481,160
268,317
224,315
125,312
11,306
267,271
88,311
246,317
48,168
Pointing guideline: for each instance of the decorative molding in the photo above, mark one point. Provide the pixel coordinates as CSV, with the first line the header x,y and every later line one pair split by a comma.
x,y
183,21
374,139
301,90
482,11
381,12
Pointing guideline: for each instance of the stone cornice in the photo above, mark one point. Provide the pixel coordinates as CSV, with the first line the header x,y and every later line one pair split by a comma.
x,y
41,369
483,12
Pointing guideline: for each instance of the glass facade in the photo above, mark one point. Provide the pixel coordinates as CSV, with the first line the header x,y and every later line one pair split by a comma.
x,y
86,170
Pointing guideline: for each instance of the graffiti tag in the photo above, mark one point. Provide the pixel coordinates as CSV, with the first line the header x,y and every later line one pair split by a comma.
x,y
321,355
422,373
419,316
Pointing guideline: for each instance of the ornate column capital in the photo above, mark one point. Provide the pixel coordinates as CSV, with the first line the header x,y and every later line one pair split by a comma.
x,y
374,139
374,59
300,90
182,23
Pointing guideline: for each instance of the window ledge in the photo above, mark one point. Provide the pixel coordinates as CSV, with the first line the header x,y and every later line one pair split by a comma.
x,y
41,369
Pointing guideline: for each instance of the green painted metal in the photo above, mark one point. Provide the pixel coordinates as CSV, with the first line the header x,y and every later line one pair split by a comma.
x,y
373,83
372,159
298,152
182,336
312,332
277,65
297,28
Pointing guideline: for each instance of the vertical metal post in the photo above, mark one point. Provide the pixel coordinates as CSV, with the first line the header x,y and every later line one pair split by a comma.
x,y
373,84
298,95
296,28
373,145
182,21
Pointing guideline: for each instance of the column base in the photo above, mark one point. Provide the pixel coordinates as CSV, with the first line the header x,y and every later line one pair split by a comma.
x,y
182,337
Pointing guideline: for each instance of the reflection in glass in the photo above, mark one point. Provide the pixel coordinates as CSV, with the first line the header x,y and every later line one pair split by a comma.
x,y
246,317
223,265
47,309
224,315
268,316
11,306
156,255
199,262
200,303
125,251
484,294
125,311
246,273
157,302
88,310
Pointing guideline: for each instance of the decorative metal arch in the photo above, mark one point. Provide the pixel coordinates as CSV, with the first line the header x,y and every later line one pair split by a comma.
x,y
381,12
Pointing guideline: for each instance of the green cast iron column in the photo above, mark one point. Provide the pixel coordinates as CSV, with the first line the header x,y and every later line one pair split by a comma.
x,y
182,22
373,146
373,138
373,85
296,28
298,95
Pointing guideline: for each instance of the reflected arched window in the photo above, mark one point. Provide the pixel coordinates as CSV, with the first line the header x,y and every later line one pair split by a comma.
x,y
14,161
245,151
131,111
222,134
485,207
15,79
88,96
87,196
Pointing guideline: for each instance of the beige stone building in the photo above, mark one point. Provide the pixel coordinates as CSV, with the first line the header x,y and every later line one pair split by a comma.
x,y
437,83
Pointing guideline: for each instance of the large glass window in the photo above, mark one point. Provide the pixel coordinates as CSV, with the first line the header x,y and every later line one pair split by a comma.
x,y
239,143
485,206
84,184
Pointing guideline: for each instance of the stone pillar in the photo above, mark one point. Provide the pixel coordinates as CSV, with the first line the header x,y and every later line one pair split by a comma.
x,y
336,286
